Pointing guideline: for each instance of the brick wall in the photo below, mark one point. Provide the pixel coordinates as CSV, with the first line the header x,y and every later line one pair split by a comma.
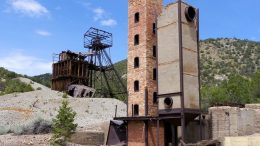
x,y
152,134
148,12
136,133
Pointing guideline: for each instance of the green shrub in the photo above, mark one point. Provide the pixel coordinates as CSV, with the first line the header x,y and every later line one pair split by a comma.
x,y
63,125
4,130
236,91
65,95
36,126
38,88
16,86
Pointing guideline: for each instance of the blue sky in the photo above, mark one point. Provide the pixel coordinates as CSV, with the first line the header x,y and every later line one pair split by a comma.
x,y
32,30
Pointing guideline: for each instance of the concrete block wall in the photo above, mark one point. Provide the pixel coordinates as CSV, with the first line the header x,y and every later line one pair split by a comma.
x,y
88,138
233,121
256,108
241,141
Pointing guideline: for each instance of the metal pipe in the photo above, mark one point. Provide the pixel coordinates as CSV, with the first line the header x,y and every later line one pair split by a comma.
x,y
132,110
116,111
146,132
146,101
181,68
198,52
157,132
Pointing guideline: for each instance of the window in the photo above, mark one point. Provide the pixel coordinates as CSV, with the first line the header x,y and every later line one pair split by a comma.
x,y
154,51
136,110
154,74
155,97
136,86
136,41
137,15
136,62
154,28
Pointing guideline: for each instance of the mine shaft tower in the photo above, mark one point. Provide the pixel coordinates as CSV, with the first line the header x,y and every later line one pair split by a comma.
x,y
102,74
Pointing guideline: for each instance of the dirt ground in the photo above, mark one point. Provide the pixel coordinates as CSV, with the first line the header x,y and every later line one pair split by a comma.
x,y
25,140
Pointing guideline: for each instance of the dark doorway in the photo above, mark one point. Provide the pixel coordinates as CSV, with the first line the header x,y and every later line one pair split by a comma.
x,y
136,110
170,134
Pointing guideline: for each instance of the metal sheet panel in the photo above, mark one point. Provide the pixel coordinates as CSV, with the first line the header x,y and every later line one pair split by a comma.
x,y
168,16
168,59
189,37
190,62
191,92
168,44
169,78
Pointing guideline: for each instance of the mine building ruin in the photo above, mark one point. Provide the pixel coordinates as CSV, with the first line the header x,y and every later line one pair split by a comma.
x,y
84,74
71,68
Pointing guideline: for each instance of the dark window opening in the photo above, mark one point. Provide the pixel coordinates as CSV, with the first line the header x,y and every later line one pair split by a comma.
x,y
137,15
136,110
136,86
155,97
154,74
154,28
154,51
136,62
136,41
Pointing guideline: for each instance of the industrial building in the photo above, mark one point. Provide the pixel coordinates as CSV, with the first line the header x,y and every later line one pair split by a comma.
x,y
163,73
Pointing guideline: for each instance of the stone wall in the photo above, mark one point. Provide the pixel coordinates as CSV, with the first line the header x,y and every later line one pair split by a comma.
x,y
241,141
233,121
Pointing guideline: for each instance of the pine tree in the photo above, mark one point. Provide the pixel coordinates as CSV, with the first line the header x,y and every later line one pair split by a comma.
x,y
63,125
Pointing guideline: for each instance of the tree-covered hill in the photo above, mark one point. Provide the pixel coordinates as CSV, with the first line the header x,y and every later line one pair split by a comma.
x,y
44,79
222,57
9,83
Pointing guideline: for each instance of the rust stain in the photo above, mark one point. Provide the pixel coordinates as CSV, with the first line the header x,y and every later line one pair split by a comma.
x,y
169,62
193,102
25,112
17,109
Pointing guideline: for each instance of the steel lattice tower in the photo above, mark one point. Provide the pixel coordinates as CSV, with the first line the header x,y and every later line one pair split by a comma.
x,y
102,74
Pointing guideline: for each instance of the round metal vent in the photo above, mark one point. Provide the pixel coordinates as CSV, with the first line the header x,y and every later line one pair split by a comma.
x,y
190,13
168,102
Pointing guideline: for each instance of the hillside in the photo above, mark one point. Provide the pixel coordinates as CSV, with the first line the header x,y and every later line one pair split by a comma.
x,y
222,57
44,79
9,83
219,58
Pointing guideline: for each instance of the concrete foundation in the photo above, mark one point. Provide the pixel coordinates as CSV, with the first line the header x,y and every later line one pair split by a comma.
x,y
234,121
88,138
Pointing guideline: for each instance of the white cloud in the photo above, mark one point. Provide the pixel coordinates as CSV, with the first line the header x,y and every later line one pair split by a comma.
x,y
43,33
30,8
102,17
25,64
108,22
98,13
